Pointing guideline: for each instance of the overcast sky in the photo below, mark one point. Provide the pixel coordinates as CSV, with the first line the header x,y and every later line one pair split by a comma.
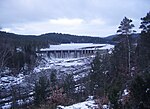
x,y
79,17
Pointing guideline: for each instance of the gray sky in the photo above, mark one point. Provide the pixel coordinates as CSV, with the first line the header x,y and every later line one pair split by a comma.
x,y
79,17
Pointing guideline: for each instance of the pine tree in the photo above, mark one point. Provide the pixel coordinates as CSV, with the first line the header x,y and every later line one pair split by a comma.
x,y
125,31
143,51
53,78
140,90
41,90
99,75
69,85
94,75
120,61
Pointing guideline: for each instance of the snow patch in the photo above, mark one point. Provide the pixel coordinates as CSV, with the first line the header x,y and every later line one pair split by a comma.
x,y
83,105
125,92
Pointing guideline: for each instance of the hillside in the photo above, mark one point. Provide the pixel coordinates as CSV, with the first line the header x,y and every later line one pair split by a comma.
x,y
67,38
111,37
52,38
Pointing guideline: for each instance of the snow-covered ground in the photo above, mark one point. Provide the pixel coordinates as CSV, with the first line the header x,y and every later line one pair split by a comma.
x,y
88,104
72,65
83,105
7,81
79,67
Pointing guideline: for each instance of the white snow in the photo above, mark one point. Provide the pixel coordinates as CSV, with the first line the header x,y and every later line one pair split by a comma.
x,y
105,107
147,90
125,92
7,81
107,46
19,49
70,63
83,105
57,63
6,106
19,102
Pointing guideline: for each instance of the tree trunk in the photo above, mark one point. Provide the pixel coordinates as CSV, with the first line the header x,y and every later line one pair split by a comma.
x,y
129,54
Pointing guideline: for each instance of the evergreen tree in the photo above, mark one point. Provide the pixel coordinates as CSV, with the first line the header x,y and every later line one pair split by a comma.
x,y
5,55
117,76
143,52
99,75
125,31
69,85
53,78
120,61
140,90
41,90
140,84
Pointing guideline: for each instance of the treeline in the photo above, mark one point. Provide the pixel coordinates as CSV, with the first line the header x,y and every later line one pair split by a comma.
x,y
122,78
52,38
66,38
18,52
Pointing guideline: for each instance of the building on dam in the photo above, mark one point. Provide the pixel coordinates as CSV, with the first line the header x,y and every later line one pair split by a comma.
x,y
75,50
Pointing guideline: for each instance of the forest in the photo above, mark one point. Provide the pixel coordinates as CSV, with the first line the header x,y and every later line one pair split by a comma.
x,y
119,79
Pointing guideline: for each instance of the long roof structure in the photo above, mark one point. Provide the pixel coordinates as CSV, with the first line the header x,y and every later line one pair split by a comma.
x,y
78,46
